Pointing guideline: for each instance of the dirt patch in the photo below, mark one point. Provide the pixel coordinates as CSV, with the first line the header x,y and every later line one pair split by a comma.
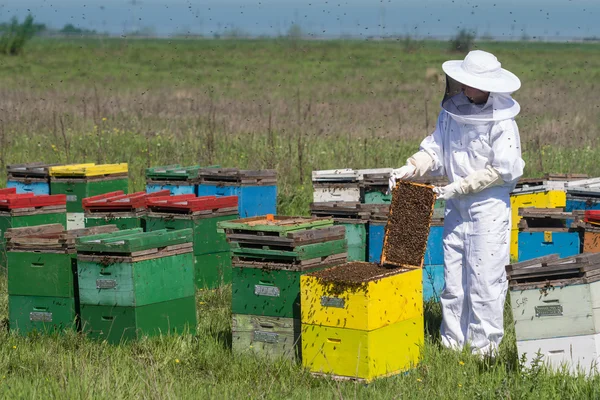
x,y
352,276
408,224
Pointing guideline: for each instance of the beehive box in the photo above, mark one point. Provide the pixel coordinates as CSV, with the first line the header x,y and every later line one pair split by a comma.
x,y
339,185
212,257
256,190
42,259
556,309
544,231
130,268
117,324
126,211
22,210
42,281
553,297
361,320
79,181
174,178
590,224
354,217
538,197
29,178
271,254
376,231
267,336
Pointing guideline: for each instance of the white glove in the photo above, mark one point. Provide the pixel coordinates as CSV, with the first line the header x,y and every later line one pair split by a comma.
x,y
405,172
449,191
474,183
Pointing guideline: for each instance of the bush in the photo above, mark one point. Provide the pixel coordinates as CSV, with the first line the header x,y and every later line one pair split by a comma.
x,y
463,41
15,35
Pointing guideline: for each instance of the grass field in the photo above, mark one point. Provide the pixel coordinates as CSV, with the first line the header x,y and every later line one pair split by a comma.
x,y
278,104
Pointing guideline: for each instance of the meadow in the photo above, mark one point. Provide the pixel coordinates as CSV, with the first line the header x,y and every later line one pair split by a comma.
x,y
295,106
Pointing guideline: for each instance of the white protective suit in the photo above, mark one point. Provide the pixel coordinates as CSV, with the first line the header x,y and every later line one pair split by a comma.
x,y
478,148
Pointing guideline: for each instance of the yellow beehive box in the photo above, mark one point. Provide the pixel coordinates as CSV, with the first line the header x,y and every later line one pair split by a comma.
x,y
382,300
360,354
541,199
88,170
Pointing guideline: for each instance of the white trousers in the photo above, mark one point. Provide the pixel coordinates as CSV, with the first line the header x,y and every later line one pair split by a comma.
x,y
476,251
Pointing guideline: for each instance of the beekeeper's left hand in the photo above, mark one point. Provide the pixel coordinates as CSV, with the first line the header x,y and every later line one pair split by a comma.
x,y
450,191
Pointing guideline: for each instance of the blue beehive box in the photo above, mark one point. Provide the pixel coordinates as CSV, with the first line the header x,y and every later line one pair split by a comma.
x,y
433,282
538,244
29,178
174,178
256,190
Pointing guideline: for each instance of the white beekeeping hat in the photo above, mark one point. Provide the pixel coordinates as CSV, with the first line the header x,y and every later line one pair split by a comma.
x,y
482,70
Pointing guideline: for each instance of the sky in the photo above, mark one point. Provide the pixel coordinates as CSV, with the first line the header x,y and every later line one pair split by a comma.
x,y
508,19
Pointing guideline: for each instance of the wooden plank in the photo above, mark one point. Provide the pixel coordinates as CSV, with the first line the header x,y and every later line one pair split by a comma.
x,y
305,252
326,261
33,230
532,262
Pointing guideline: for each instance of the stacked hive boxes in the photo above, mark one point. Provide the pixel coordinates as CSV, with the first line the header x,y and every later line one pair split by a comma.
x,y
337,185
21,210
354,217
174,178
269,256
134,284
212,258
86,180
29,178
256,190
42,277
583,195
433,268
544,231
556,310
364,320
126,211
376,232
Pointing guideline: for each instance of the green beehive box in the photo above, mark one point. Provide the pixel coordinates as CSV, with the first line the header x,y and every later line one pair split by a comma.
x,y
267,336
213,270
107,280
132,241
125,220
173,172
78,189
21,219
42,274
356,239
43,314
262,289
207,238
117,324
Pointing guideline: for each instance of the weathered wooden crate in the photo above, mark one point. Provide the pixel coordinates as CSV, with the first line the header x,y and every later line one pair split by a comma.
x,y
271,289
118,324
131,268
80,181
272,337
545,231
391,296
42,260
553,297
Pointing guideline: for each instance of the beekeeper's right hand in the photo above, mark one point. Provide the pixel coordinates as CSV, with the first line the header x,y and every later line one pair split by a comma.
x,y
405,172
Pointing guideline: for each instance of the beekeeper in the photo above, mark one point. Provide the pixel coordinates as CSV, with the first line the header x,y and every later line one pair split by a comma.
x,y
476,144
